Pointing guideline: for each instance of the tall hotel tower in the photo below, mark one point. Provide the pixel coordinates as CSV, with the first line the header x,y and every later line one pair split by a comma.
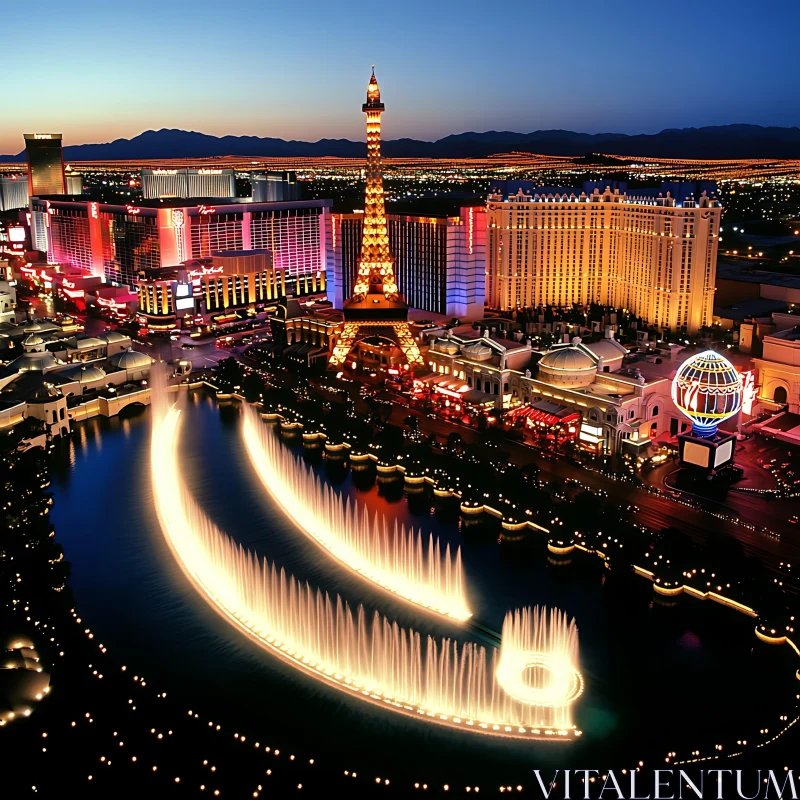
x,y
45,164
376,307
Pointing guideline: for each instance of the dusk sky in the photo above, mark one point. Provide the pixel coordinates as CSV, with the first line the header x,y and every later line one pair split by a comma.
x,y
96,71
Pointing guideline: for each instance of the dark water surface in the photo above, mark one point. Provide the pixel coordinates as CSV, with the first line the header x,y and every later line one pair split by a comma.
x,y
658,676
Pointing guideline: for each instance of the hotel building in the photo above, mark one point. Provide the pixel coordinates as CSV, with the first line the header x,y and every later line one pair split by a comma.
x,y
183,183
273,187
651,251
13,192
213,288
439,262
120,241
45,163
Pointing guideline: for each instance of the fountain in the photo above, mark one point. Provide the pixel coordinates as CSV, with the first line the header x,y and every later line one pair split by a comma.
x,y
445,682
537,660
400,562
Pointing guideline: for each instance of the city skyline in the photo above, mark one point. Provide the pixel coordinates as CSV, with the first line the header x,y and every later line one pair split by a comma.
x,y
282,76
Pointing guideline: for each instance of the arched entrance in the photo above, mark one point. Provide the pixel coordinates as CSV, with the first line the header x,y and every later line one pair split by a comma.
x,y
780,395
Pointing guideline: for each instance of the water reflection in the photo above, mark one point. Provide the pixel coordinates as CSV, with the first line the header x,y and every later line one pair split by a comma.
x,y
641,658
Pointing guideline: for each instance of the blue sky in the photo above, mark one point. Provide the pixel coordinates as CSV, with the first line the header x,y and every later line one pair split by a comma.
x,y
96,71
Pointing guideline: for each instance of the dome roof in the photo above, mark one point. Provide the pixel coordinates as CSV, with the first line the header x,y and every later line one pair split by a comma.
x,y
569,359
32,339
446,346
607,349
477,351
34,362
114,336
85,374
33,327
89,342
130,359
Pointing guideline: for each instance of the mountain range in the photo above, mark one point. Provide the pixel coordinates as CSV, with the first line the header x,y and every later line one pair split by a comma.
x,y
714,142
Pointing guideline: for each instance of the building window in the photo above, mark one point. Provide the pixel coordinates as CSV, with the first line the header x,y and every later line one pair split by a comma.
x,y
654,413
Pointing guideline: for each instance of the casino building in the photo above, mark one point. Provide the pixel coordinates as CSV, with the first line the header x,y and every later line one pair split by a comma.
x,y
119,242
186,183
622,401
211,290
439,262
13,192
45,163
652,251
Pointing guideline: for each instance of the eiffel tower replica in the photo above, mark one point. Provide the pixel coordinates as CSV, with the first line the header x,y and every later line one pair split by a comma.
x,y
376,308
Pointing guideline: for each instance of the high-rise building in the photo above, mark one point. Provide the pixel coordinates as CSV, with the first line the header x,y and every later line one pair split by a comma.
x,y
376,308
45,164
13,192
653,252
439,262
274,187
74,181
120,241
185,183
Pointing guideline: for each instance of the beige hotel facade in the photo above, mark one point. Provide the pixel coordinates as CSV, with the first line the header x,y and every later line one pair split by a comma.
x,y
649,251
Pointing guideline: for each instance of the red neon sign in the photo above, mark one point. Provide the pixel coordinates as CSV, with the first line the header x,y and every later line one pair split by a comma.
x,y
110,303
749,391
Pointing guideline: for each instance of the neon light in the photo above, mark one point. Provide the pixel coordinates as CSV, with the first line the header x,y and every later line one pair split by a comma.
x,y
471,227
198,273
749,391
708,390
110,303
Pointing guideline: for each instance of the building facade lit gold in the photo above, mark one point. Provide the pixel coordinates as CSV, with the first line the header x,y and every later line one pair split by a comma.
x,y
652,256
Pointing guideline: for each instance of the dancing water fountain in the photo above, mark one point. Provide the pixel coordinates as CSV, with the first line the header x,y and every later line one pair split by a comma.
x,y
445,682
401,562
538,661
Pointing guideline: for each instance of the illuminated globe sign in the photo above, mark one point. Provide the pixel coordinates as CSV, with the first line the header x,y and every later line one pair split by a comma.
x,y
708,390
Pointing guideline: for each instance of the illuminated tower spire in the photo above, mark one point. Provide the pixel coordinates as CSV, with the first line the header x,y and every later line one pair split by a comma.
x,y
376,307
375,267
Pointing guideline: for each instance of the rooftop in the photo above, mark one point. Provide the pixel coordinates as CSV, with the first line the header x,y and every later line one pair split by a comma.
x,y
682,193
744,309
789,335
240,253
747,273
219,205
